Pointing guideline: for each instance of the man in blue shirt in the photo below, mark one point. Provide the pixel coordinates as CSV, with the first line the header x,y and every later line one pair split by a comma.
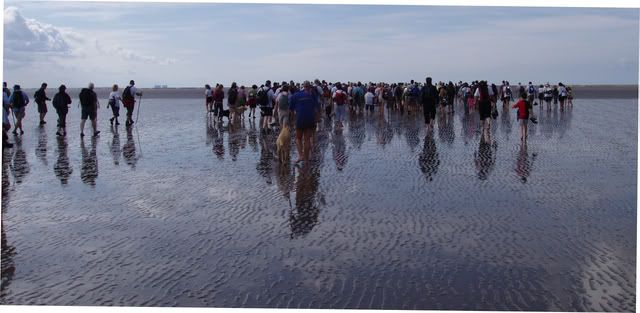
x,y
307,109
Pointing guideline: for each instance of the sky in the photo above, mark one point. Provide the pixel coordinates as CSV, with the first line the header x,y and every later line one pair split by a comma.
x,y
192,44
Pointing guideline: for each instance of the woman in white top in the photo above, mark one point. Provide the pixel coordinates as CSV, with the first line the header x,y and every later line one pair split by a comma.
x,y
114,103
208,98
562,94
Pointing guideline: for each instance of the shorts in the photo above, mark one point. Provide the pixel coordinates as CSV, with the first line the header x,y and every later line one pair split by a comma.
x,y
90,113
429,112
340,111
302,126
523,122
42,107
209,99
115,110
19,112
562,98
485,109
266,111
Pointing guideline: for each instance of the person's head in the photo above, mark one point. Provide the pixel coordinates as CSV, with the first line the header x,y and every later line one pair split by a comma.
x,y
560,84
91,86
207,86
16,87
428,81
242,87
4,85
285,88
62,88
115,87
523,96
267,83
306,85
233,85
131,82
254,87
529,83
43,86
220,86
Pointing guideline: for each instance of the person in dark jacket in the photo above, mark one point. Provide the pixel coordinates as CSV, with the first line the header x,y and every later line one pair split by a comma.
x,y
90,105
40,97
61,103
429,98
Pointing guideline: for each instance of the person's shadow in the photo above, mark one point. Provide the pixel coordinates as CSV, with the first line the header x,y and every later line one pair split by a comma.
x,y
304,216
20,163
41,149
524,163
485,159
114,146
129,149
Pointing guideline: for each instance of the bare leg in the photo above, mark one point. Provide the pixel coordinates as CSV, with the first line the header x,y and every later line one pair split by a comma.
x,y
82,126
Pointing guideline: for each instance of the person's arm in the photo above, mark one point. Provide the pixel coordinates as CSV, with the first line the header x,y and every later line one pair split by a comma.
x,y
26,98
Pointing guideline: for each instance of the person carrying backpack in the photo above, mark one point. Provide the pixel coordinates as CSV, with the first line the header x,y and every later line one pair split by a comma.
x,y
128,99
483,96
61,102
19,101
265,101
282,102
40,97
531,93
429,98
90,105
340,99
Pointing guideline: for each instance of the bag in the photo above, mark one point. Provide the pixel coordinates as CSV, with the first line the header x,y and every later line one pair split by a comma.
x,y
283,102
263,97
340,97
233,95
532,90
18,99
252,95
126,94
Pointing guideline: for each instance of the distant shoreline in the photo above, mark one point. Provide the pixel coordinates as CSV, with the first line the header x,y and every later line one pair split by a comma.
x,y
580,91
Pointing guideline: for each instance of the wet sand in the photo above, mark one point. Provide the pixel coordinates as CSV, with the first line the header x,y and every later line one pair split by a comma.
x,y
185,212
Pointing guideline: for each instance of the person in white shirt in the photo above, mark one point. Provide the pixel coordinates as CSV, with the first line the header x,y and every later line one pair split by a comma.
x,y
562,94
208,98
368,100
114,103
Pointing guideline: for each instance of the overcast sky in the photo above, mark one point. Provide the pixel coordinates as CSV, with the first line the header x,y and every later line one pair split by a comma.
x,y
180,44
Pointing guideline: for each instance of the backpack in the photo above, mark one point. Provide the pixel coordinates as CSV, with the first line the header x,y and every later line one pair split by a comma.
x,y
233,95
252,94
18,99
126,94
340,97
531,90
263,97
283,102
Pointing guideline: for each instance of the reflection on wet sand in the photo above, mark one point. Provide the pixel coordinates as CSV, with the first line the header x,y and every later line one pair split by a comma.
x,y
485,158
41,149
89,170
524,163
304,216
114,146
20,167
129,149
62,168
340,154
429,160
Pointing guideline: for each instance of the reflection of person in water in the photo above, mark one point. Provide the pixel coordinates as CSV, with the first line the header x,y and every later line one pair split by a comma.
x,y
304,216
6,181
285,178
114,146
340,155
523,163
20,163
252,135
62,169
429,159
356,131
129,149
485,159
235,141
89,170
264,166
41,149
445,129
218,143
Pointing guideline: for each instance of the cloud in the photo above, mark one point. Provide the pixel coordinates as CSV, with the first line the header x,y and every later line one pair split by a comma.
x,y
131,55
29,36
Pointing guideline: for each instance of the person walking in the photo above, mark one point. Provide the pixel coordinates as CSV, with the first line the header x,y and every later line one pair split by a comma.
x,y
40,97
242,101
524,112
129,100
232,101
282,103
114,103
307,109
208,98
252,100
6,123
61,102
90,105
19,101
429,97
265,100
483,96
340,100
218,99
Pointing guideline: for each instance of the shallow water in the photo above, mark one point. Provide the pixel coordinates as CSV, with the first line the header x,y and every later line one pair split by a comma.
x,y
184,212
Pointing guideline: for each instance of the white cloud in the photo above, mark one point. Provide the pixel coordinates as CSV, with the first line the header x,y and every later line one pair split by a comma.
x,y
29,36
116,50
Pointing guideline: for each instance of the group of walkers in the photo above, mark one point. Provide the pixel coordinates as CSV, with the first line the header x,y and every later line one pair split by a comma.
x,y
14,104
334,99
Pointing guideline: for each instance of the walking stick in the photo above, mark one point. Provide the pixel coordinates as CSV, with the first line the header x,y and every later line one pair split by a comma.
x,y
139,104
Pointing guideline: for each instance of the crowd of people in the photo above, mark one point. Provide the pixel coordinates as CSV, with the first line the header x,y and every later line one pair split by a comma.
x,y
306,103
303,105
